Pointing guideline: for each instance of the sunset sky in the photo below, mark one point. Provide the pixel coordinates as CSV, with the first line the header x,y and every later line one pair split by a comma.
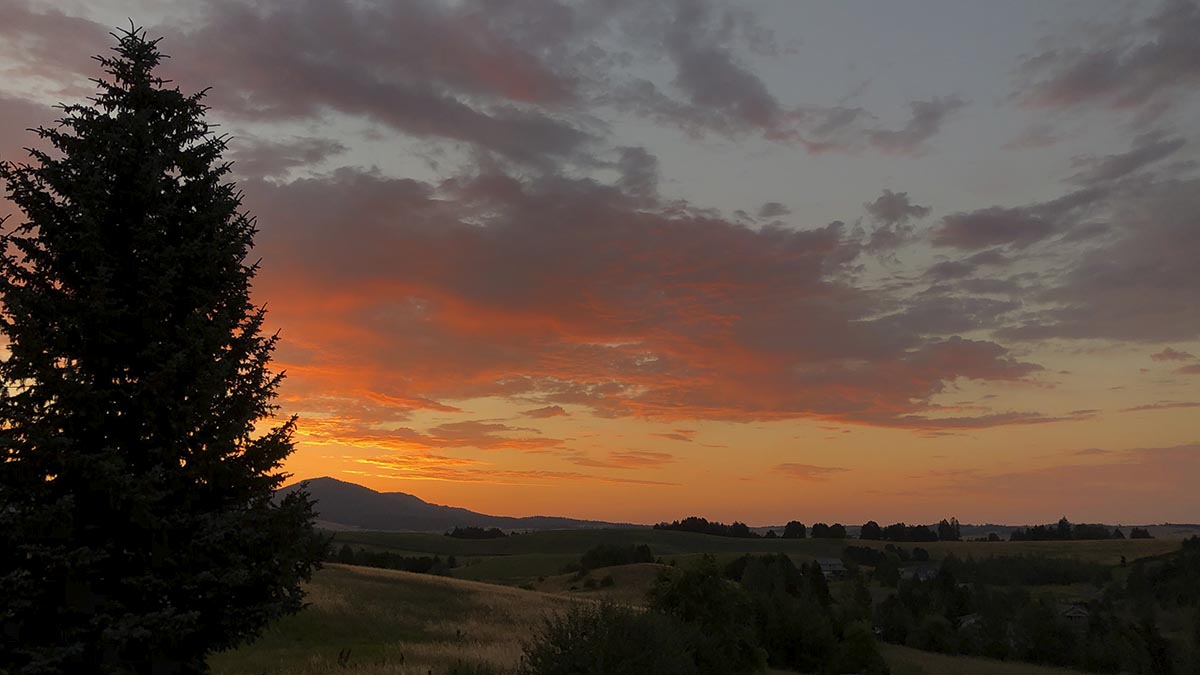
x,y
636,260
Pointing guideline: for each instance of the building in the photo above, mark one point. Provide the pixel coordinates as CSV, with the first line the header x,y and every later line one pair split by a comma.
x,y
832,568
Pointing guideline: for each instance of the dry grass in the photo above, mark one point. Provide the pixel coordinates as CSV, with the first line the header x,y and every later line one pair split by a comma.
x,y
629,587
396,623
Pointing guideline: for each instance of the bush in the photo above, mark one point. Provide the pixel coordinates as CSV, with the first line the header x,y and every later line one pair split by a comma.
x,y
858,652
608,639
476,533
610,555
722,612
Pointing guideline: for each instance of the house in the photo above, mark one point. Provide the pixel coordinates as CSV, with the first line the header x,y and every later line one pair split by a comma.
x,y
1076,615
832,568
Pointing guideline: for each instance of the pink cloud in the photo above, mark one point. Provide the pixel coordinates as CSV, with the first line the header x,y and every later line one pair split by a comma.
x,y
1169,354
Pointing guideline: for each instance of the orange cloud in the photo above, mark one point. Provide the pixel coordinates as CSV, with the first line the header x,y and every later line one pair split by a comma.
x,y
630,312
420,469
547,411
807,472
1169,354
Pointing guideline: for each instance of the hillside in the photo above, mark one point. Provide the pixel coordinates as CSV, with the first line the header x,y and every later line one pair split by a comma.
x,y
397,623
342,505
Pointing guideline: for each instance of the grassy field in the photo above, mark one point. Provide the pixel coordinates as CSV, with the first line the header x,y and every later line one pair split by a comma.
x,y
906,661
395,623
398,623
523,558
629,586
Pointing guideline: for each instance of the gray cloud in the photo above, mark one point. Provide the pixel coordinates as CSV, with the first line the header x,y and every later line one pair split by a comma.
x,y
894,208
773,210
1018,227
926,121
1141,67
1140,283
1147,149
258,157
992,226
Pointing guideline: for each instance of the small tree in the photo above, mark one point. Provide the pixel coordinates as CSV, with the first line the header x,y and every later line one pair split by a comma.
x,y
794,530
138,525
949,530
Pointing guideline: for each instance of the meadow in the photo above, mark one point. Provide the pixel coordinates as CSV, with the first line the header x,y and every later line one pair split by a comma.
x,y
385,622
400,623
523,558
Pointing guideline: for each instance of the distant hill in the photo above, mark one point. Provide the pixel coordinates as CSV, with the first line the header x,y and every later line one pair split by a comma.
x,y
342,505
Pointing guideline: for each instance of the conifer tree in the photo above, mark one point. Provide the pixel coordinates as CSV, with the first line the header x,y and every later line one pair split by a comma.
x,y
139,530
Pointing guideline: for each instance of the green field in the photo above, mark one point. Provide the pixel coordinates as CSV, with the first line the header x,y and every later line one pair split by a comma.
x,y
522,558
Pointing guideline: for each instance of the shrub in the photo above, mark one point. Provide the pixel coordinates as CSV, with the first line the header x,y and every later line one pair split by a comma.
x,y
720,609
609,555
607,639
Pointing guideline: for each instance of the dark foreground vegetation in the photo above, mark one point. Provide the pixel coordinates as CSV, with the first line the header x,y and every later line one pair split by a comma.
x,y
760,610
709,619
1146,620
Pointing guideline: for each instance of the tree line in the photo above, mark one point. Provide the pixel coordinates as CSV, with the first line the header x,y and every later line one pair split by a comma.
x,y
945,530
472,532
390,560
1066,531
709,619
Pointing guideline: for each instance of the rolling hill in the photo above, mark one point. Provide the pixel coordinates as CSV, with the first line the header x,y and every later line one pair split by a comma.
x,y
342,505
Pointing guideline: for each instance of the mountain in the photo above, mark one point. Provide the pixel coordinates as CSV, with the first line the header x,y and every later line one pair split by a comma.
x,y
342,505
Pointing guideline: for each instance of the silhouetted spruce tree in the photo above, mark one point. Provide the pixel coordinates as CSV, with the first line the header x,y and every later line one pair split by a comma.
x,y
138,529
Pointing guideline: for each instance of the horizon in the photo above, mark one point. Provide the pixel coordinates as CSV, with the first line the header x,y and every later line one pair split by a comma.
x,y
751,262
808,523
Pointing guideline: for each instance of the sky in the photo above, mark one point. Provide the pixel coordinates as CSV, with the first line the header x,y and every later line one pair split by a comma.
x,y
753,261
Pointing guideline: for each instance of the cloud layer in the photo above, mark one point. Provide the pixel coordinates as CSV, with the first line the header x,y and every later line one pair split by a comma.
x,y
464,207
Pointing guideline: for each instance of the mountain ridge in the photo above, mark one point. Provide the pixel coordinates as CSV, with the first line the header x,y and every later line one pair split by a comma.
x,y
344,505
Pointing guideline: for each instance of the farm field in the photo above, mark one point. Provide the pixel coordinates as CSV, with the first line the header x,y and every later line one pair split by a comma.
x,y
385,622
521,558
908,661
